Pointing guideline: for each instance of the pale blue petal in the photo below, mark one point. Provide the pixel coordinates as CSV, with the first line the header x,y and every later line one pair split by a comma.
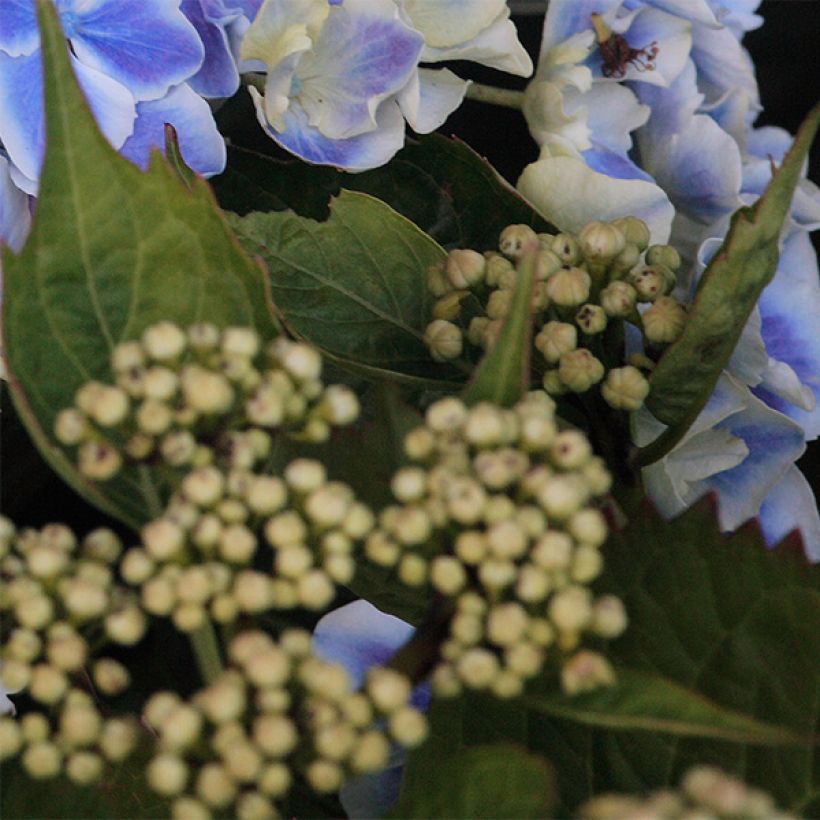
x,y
360,153
22,125
722,65
200,143
18,27
430,97
699,168
732,113
697,11
147,45
6,705
738,15
673,107
567,17
749,360
218,76
769,141
775,442
15,215
364,54
359,636
791,505
613,112
790,310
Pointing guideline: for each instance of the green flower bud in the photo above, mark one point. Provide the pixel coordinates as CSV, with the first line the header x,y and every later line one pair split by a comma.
x,y
618,299
496,266
449,306
499,304
437,282
579,370
444,340
634,230
552,383
555,339
625,388
664,322
663,255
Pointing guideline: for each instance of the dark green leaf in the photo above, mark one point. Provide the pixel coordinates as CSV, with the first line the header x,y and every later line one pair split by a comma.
x,y
503,375
727,293
112,251
354,286
441,184
730,621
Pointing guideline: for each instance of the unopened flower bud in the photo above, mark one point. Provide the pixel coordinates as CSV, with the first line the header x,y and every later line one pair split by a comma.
x,y
552,383
625,388
586,671
464,268
206,391
567,248
499,304
651,281
517,240
601,241
163,341
609,619
477,668
634,230
444,340
569,287
42,760
570,609
496,265
663,255
98,460
167,774
664,322
163,538
618,299
545,264
127,356
591,319
579,370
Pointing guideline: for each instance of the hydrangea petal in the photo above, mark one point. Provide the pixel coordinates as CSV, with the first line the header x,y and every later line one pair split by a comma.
x,y
614,112
567,17
360,153
147,45
673,107
722,64
359,636
18,27
791,505
430,97
218,76
496,46
15,216
445,23
750,360
569,194
363,55
697,11
615,165
200,143
6,705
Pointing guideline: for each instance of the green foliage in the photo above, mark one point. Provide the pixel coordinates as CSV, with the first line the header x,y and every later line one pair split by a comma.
x,y
727,293
441,184
725,619
112,251
503,375
354,286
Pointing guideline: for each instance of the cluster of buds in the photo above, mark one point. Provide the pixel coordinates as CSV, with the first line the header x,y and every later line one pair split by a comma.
x,y
498,516
242,542
705,792
586,285
56,597
278,714
178,391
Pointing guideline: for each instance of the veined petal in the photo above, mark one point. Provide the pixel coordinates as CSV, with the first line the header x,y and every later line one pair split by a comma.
x,y
496,46
445,23
791,505
18,27
359,636
364,54
569,194
200,143
430,97
15,216
146,45
700,168
218,76
360,153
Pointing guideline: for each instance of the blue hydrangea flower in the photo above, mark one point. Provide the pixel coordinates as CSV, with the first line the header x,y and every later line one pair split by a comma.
x,y
342,78
359,636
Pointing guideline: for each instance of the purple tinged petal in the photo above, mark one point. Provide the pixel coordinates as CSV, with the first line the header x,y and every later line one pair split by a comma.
x,y
147,45
18,27
614,165
364,54
15,215
791,505
201,144
359,636
360,153
769,141
218,76
672,107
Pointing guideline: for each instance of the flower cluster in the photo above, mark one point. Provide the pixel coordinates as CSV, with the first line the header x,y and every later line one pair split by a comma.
x,y
342,77
180,393
57,598
243,542
586,285
498,515
278,714
648,108
705,792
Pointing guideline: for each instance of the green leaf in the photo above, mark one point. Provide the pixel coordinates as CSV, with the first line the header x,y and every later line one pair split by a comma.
x,y
725,618
354,286
650,702
499,780
441,184
112,251
727,293
503,375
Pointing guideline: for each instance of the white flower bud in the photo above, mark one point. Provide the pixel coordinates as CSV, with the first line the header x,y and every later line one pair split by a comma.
x,y
71,426
618,299
48,684
555,339
42,760
215,786
327,506
470,547
446,415
591,319
506,623
524,658
252,591
464,268
447,575
566,247
240,341
127,356
601,241
663,255
80,725
589,527
35,727
206,391
569,287
340,405
570,609
495,574
163,539
570,450
533,584
587,564
634,230
546,263
98,460
579,370
67,652
110,676
154,417
664,322
496,265
561,495
110,406
408,726
609,618
443,339
477,668
126,626
499,303
625,388
163,341
22,645
412,570
484,426
158,596
388,689
324,776
465,500
586,671
517,240
651,281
